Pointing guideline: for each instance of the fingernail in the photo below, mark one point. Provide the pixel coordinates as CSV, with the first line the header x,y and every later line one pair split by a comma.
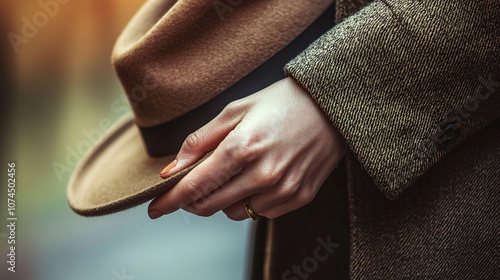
x,y
165,172
155,214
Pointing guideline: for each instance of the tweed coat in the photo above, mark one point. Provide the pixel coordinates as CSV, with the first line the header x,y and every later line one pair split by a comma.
x,y
414,88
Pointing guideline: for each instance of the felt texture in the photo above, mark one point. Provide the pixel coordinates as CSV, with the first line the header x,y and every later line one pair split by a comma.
x,y
118,174
171,58
176,55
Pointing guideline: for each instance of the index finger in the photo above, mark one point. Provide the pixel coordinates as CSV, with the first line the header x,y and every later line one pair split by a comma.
x,y
207,177
205,139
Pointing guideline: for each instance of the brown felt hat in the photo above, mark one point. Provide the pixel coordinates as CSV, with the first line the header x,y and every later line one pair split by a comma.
x,y
180,63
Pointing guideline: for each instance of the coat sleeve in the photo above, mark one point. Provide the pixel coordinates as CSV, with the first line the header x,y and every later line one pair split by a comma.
x,y
405,82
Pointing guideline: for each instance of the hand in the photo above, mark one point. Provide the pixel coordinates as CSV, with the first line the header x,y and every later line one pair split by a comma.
x,y
274,147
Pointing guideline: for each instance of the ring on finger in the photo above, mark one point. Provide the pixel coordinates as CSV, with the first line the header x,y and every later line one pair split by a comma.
x,y
249,210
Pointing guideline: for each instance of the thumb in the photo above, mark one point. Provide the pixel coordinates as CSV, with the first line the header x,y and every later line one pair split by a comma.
x,y
202,141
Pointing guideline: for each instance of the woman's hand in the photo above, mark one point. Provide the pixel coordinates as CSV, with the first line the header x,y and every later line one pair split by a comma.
x,y
274,147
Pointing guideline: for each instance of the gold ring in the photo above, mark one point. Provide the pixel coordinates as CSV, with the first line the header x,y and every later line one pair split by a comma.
x,y
250,212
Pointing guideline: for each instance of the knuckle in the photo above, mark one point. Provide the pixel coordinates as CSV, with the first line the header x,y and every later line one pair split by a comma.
x,y
202,208
305,197
234,107
193,140
246,152
205,212
242,152
168,205
193,189
267,179
234,216
289,191
270,176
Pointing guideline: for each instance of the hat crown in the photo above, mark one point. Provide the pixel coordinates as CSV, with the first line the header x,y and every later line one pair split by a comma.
x,y
176,55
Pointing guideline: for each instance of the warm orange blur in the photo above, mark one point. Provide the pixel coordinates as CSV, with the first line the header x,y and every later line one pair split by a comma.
x,y
63,86
74,40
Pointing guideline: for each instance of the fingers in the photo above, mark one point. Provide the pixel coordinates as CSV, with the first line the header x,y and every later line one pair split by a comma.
x,y
259,204
259,176
293,191
276,149
204,140
245,184
266,190
226,161
269,205
200,182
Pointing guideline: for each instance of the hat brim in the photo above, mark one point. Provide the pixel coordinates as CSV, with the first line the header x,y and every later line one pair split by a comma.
x,y
118,174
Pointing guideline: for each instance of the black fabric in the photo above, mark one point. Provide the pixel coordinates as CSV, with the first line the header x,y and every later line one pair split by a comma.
x,y
167,138
285,247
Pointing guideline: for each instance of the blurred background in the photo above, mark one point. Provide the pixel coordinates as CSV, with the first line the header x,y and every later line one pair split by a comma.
x,y
57,83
